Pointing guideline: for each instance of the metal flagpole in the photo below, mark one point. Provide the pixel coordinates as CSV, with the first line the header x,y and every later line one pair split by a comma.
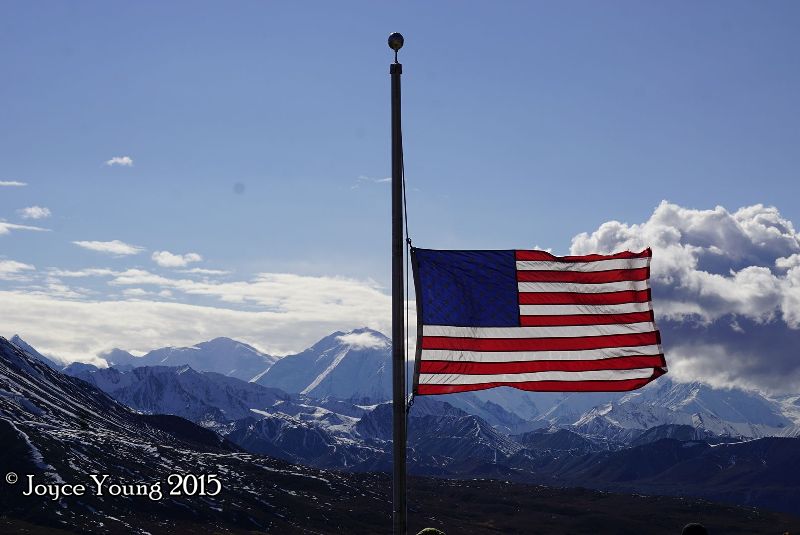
x,y
398,334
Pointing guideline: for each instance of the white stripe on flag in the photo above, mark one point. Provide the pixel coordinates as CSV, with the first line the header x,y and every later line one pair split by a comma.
x,y
573,287
560,331
598,265
518,356
599,375
566,310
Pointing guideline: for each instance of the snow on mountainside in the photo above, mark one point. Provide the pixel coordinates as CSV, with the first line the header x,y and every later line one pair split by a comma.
x,y
496,414
260,419
221,355
60,429
208,398
722,412
352,365
356,366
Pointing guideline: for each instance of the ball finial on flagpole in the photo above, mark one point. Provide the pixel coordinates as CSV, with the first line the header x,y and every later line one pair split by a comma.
x,y
395,43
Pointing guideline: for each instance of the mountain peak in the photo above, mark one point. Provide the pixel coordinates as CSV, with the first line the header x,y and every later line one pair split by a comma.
x,y
221,355
343,365
29,349
225,343
221,340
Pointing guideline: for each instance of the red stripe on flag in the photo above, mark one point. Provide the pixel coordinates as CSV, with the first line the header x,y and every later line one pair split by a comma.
x,y
542,255
573,298
584,319
547,386
584,277
494,368
540,344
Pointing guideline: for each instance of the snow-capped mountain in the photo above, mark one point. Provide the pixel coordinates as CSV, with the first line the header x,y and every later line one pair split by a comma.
x,y
208,398
351,365
60,430
325,433
721,412
315,437
261,419
27,348
221,355
496,414
683,433
356,366
49,409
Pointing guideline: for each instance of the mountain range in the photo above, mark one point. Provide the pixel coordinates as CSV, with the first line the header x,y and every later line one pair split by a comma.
x,y
222,355
60,429
356,366
57,429
353,365
325,408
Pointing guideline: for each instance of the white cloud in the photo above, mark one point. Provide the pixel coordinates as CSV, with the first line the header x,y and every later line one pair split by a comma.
x,y
88,272
135,292
114,247
11,269
364,340
203,271
6,228
286,313
788,262
713,261
57,289
172,260
124,161
720,281
141,292
34,212
12,183
363,179
283,292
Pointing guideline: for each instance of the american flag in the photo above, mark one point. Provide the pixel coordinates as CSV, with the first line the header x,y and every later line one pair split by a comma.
x,y
534,321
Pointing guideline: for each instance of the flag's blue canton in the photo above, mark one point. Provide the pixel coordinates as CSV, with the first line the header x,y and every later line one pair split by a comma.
x,y
468,288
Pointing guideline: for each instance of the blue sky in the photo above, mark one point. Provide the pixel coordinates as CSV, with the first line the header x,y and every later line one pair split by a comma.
x,y
258,134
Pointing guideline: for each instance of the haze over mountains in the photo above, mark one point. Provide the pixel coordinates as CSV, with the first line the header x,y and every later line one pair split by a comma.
x,y
221,355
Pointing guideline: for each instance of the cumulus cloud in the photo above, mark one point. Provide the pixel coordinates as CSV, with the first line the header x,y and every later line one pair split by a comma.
x,y
114,247
6,228
12,183
720,280
172,260
11,269
34,212
124,161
